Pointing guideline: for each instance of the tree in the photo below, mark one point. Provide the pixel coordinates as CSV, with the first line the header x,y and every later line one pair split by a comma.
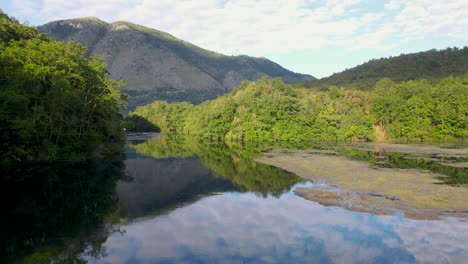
x,y
55,102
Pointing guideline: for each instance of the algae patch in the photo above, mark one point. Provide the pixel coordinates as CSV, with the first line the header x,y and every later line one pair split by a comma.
x,y
360,186
456,164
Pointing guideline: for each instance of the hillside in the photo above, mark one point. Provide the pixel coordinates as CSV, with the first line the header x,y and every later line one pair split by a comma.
x,y
157,65
432,65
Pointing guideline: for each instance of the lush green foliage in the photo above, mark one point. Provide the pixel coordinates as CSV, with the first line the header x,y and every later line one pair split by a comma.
x,y
55,103
269,112
11,29
431,65
272,113
418,111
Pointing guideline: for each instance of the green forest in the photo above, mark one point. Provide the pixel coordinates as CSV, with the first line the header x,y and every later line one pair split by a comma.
x,y
431,65
55,103
269,112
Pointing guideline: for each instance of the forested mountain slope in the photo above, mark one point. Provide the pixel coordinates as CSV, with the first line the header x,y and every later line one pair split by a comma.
x,y
431,65
157,65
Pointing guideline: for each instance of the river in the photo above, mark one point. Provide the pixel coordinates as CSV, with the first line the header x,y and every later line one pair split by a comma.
x,y
186,206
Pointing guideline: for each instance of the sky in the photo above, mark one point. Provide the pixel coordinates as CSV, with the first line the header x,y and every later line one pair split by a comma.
x,y
307,36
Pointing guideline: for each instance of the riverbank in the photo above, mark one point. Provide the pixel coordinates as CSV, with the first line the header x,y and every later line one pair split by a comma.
x,y
360,186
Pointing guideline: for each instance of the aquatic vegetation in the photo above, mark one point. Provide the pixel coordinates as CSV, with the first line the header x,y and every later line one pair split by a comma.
x,y
382,182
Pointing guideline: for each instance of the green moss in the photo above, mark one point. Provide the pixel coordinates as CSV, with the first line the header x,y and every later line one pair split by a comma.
x,y
412,188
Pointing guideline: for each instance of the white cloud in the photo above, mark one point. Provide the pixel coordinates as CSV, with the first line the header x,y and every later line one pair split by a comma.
x,y
25,7
433,18
236,26
394,4
273,26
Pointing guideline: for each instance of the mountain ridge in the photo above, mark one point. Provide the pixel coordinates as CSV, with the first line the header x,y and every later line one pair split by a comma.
x,y
159,66
431,64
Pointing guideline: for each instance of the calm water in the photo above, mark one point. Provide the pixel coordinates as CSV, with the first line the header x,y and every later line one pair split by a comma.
x,y
212,208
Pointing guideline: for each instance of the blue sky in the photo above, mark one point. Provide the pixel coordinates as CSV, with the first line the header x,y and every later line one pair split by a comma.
x,y
307,36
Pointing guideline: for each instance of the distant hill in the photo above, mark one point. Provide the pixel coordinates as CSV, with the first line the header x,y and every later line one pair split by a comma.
x,y
432,64
157,65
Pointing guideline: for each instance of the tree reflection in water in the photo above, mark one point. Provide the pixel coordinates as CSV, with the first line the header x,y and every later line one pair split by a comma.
x,y
52,209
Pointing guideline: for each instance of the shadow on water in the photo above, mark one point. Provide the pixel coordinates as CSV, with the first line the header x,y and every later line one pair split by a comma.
x,y
50,209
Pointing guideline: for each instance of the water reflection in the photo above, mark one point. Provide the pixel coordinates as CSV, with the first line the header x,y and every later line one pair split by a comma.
x,y
159,185
261,223
171,172
51,209
240,228
239,168
177,201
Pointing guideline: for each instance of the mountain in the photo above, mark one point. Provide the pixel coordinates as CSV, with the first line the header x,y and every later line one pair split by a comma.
x,y
432,65
157,65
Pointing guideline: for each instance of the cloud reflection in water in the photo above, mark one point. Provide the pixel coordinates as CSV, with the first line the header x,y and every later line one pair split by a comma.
x,y
239,228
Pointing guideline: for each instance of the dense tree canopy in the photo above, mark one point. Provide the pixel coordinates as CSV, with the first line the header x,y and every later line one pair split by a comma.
x,y
430,65
419,111
55,103
270,112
